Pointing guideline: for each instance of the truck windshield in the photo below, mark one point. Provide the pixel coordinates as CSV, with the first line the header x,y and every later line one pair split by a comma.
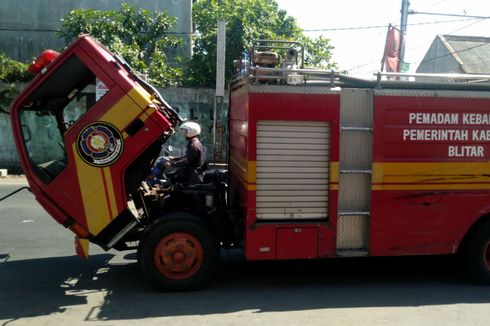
x,y
44,143
50,110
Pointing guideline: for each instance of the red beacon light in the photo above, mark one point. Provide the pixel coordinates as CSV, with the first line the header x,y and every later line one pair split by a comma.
x,y
42,61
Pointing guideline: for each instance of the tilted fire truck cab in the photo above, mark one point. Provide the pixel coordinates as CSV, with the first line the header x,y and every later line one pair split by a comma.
x,y
87,169
320,164
81,169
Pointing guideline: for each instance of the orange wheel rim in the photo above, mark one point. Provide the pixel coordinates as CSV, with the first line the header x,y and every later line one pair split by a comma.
x,y
178,256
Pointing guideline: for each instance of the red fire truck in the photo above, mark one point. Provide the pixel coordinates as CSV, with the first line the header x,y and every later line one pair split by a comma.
x,y
321,165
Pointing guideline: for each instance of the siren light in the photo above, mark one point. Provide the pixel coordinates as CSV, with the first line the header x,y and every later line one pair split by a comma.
x,y
42,61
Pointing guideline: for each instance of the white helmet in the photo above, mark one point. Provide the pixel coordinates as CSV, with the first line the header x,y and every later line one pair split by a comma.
x,y
190,129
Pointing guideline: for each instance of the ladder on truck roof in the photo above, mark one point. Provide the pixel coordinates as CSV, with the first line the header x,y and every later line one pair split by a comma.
x,y
383,80
282,62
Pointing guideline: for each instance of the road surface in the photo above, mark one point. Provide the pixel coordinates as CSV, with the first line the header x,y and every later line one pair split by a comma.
x,y
42,282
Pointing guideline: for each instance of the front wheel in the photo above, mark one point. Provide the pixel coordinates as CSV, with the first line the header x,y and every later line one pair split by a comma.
x,y
178,253
478,255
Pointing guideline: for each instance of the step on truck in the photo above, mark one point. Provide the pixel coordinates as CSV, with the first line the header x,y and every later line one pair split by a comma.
x,y
320,164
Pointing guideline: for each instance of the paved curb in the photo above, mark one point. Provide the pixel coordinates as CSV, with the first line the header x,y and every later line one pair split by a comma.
x,y
13,180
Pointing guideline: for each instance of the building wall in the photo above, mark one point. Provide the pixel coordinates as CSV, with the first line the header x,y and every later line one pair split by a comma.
x,y
28,27
193,104
8,153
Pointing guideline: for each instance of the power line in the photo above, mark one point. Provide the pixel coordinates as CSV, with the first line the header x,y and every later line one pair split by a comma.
x,y
457,30
384,26
425,61
363,65
449,33
413,12
418,46
440,2
455,52
14,29
378,34
460,29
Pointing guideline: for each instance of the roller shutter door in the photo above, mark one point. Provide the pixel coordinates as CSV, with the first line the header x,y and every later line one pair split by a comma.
x,y
292,169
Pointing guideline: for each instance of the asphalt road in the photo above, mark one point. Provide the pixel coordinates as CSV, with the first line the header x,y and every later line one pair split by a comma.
x,y
42,282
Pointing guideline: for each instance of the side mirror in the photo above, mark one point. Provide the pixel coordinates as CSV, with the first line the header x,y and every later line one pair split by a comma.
x,y
26,131
169,150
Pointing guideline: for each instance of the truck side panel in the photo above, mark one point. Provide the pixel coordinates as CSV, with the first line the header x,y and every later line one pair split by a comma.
x,y
430,171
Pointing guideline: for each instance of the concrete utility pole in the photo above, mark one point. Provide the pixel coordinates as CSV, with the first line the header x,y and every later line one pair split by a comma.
x,y
403,29
220,86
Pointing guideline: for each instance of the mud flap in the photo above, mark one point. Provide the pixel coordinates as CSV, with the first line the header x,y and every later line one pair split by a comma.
x,y
82,247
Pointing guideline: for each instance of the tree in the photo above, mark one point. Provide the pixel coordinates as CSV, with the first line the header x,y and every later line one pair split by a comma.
x,y
318,52
247,20
11,72
140,36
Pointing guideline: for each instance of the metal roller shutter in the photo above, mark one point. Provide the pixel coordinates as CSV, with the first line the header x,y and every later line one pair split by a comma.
x,y
292,169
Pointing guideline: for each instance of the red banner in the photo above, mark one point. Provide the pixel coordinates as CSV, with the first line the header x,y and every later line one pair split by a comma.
x,y
392,50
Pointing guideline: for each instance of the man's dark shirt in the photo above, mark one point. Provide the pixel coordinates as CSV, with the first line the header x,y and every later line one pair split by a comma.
x,y
190,165
195,155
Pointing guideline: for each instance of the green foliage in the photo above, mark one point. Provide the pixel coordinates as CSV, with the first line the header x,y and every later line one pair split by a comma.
x,y
140,36
318,52
13,71
7,94
247,20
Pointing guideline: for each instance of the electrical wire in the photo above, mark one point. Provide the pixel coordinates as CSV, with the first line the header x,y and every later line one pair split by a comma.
x,y
424,61
378,34
455,52
384,26
413,12
460,29
13,29
418,46
364,65
438,3
457,30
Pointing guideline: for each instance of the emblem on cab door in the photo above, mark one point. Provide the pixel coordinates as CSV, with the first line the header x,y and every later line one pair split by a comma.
x,y
100,144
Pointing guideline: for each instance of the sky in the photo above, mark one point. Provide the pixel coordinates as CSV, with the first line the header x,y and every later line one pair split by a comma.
x,y
359,51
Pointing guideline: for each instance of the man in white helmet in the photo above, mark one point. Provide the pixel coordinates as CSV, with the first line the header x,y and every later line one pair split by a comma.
x,y
190,165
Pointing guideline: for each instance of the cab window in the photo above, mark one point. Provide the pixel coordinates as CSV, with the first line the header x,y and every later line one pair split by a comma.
x,y
43,142
50,110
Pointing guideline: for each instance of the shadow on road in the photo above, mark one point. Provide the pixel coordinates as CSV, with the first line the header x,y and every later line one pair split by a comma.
x,y
50,285
38,287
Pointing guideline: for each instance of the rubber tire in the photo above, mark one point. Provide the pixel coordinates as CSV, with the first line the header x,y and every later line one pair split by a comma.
x,y
475,251
183,223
